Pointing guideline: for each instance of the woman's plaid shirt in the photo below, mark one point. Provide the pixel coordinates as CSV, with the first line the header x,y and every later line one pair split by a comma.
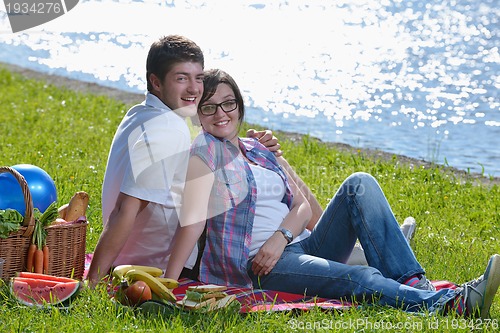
x,y
232,206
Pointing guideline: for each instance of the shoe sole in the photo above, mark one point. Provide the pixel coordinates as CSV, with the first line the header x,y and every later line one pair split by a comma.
x,y
412,226
492,282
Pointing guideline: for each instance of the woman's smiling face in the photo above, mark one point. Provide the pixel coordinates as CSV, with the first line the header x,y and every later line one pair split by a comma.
x,y
223,125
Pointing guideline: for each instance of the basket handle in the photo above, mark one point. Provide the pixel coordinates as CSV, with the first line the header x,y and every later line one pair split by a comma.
x,y
29,220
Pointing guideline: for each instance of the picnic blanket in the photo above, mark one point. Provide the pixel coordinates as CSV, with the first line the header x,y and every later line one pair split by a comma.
x,y
255,300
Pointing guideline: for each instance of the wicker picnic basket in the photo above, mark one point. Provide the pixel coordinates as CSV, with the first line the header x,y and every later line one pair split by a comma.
x,y
66,242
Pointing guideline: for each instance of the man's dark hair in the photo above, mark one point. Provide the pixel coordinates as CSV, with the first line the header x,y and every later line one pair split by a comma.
x,y
168,51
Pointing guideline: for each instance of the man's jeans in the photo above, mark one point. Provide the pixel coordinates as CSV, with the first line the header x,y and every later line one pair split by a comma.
x,y
316,265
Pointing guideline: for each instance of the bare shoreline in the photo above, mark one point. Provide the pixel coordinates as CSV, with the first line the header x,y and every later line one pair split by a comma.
x,y
132,98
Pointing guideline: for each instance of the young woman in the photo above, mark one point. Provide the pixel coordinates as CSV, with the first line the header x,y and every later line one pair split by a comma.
x,y
256,218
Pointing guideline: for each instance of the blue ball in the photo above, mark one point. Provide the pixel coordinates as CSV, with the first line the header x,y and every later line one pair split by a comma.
x,y
41,186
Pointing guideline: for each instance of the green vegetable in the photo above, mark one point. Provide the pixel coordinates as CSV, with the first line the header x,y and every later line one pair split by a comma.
x,y
194,296
42,221
49,216
10,221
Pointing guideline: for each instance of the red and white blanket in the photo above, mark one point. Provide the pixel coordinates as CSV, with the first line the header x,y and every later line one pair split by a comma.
x,y
254,300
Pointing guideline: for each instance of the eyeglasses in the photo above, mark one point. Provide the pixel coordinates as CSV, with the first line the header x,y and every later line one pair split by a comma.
x,y
211,109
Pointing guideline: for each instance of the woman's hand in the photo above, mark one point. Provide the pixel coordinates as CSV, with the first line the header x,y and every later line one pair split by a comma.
x,y
269,254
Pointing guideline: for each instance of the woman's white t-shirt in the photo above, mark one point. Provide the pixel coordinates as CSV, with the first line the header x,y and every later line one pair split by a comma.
x,y
269,210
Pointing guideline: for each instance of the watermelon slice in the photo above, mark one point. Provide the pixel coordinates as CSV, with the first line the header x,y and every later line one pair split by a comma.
x,y
39,276
41,292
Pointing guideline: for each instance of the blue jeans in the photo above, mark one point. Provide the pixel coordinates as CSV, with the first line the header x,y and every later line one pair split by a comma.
x,y
316,265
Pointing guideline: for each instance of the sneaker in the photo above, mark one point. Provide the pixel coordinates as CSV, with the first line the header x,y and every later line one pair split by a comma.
x,y
478,294
408,227
424,284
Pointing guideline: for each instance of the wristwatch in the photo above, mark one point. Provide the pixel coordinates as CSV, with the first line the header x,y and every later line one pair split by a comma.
x,y
287,234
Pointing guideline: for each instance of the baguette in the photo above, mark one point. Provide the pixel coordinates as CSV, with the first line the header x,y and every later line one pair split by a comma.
x,y
62,211
77,206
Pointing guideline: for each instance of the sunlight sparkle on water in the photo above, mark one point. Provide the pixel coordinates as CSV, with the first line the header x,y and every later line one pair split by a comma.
x,y
344,70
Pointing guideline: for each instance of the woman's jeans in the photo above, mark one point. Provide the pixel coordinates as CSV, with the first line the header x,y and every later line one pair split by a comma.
x,y
316,265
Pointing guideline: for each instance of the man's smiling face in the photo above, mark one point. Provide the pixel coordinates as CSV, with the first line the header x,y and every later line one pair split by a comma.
x,y
181,88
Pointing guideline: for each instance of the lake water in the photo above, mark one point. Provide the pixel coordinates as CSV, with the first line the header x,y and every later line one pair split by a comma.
x,y
417,78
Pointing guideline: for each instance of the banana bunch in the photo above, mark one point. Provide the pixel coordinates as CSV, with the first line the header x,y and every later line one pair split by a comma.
x,y
120,271
161,287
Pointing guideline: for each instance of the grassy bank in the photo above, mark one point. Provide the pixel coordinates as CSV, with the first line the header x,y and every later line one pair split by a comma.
x,y
68,134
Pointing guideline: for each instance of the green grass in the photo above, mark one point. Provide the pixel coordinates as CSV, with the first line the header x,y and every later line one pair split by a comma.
x,y
68,134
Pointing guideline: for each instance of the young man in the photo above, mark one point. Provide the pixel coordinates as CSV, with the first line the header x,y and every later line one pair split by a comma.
x,y
147,162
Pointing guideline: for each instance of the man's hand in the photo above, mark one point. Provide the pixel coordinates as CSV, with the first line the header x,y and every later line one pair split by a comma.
x,y
267,139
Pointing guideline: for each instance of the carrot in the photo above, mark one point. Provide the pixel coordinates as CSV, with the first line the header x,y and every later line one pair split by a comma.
x,y
38,263
45,251
31,256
